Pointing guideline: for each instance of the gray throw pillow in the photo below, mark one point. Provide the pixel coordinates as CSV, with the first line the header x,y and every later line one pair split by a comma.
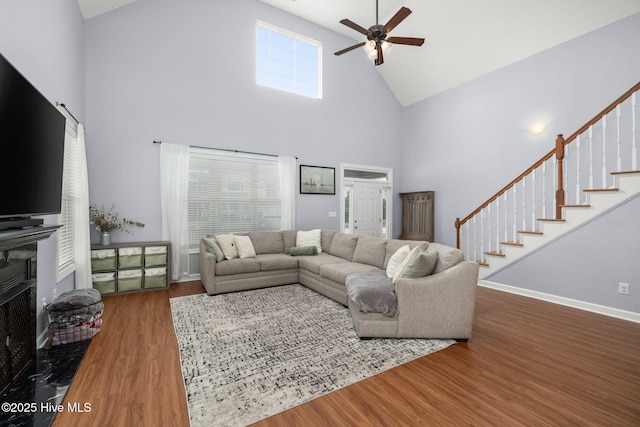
x,y
213,246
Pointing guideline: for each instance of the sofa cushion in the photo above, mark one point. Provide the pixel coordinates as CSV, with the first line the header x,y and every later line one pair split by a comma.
x,y
447,256
394,244
396,259
327,238
373,292
339,272
343,245
271,262
313,263
213,247
370,250
267,242
417,264
244,247
228,244
310,238
289,239
237,266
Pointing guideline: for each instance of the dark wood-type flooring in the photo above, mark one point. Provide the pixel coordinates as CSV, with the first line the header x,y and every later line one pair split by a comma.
x,y
529,363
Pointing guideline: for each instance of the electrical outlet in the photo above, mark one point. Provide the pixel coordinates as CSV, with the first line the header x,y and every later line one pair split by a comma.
x,y
623,288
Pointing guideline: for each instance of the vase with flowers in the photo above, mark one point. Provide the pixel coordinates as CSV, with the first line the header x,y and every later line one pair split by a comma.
x,y
107,221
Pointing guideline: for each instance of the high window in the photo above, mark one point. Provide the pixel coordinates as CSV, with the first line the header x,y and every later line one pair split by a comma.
x,y
288,61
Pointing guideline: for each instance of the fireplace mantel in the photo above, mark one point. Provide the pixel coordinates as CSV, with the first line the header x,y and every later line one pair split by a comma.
x,y
10,239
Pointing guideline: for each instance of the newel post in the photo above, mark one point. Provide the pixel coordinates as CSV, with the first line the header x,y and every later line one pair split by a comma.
x,y
560,190
458,233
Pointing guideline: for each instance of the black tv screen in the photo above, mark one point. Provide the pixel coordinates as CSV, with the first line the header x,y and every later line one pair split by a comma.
x,y
32,134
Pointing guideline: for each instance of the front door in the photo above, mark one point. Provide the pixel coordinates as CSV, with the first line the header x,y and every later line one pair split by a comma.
x,y
367,209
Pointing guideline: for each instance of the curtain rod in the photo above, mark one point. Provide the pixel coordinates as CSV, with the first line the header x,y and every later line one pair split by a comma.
x,y
232,151
70,113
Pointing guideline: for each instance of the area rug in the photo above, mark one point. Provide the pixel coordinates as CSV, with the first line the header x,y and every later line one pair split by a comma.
x,y
250,355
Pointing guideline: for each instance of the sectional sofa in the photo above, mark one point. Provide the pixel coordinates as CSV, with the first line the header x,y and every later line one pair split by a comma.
x,y
439,305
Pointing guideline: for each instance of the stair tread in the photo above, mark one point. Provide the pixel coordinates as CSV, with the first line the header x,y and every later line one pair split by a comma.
x,y
586,205
483,263
530,232
596,190
551,219
625,172
512,243
494,253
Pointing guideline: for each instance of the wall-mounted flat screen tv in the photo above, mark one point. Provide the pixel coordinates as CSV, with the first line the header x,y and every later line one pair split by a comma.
x,y
32,134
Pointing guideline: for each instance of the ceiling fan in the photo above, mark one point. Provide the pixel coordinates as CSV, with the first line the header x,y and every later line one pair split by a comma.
x,y
377,41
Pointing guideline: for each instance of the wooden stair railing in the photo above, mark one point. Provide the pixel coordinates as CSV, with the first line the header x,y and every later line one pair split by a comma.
x,y
559,152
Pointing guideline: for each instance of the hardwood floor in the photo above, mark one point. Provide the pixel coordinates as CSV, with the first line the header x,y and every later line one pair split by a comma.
x,y
529,363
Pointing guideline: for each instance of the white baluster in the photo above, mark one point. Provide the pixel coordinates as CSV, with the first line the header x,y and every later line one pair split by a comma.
x,y
524,203
482,218
475,237
634,151
604,151
488,220
466,234
515,210
506,218
578,192
498,223
555,180
591,157
544,189
619,162
533,199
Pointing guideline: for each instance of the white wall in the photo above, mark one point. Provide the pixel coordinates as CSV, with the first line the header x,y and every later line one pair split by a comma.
x,y
184,72
44,40
469,142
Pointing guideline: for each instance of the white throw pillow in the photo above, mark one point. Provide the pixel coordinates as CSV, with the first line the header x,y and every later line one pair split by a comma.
x,y
245,247
396,259
418,264
405,262
228,245
310,238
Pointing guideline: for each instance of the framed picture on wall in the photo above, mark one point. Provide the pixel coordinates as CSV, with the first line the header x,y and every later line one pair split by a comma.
x,y
317,180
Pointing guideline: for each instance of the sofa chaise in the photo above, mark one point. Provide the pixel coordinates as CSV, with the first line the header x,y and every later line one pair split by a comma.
x,y
439,305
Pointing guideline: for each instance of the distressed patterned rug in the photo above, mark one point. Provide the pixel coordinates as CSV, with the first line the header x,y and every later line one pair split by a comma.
x,y
250,355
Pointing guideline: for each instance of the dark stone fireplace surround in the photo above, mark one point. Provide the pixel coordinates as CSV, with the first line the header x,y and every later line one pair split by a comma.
x,y
33,381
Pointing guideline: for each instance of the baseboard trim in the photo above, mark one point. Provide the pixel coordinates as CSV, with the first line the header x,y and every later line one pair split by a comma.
x,y
582,305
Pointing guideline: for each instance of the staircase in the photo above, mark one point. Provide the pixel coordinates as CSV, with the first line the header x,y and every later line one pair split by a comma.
x,y
598,202
585,176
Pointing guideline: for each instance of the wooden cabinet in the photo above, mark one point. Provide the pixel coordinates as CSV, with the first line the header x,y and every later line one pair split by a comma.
x,y
417,215
127,267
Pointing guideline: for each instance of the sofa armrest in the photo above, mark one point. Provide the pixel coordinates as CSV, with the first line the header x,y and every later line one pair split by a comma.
x,y
438,306
207,269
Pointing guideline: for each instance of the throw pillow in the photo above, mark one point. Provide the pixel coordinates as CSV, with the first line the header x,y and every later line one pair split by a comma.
x,y
418,264
303,250
244,247
228,245
213,246
310,238
396,259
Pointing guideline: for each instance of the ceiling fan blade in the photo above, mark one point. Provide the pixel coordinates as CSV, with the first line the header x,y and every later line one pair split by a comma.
x,y
350,48
413,41
380,58
397,18
355,26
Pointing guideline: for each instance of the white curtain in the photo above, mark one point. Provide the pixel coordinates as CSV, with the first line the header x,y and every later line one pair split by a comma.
x,y
287,168
81,237
174,188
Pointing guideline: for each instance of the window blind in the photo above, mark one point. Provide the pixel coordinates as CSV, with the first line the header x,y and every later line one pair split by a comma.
x,y
231,193
65,235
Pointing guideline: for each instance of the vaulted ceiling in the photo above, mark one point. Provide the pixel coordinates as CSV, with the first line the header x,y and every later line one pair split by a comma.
x,y
465,39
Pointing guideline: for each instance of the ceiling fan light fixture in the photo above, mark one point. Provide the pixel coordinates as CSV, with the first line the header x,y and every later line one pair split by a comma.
x,y
370,46
386,47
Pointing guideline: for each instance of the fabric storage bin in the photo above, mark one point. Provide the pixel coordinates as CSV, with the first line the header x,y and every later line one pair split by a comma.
x,y
129,257
103,259
74,316
104,282
155,278
129,280
155,255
